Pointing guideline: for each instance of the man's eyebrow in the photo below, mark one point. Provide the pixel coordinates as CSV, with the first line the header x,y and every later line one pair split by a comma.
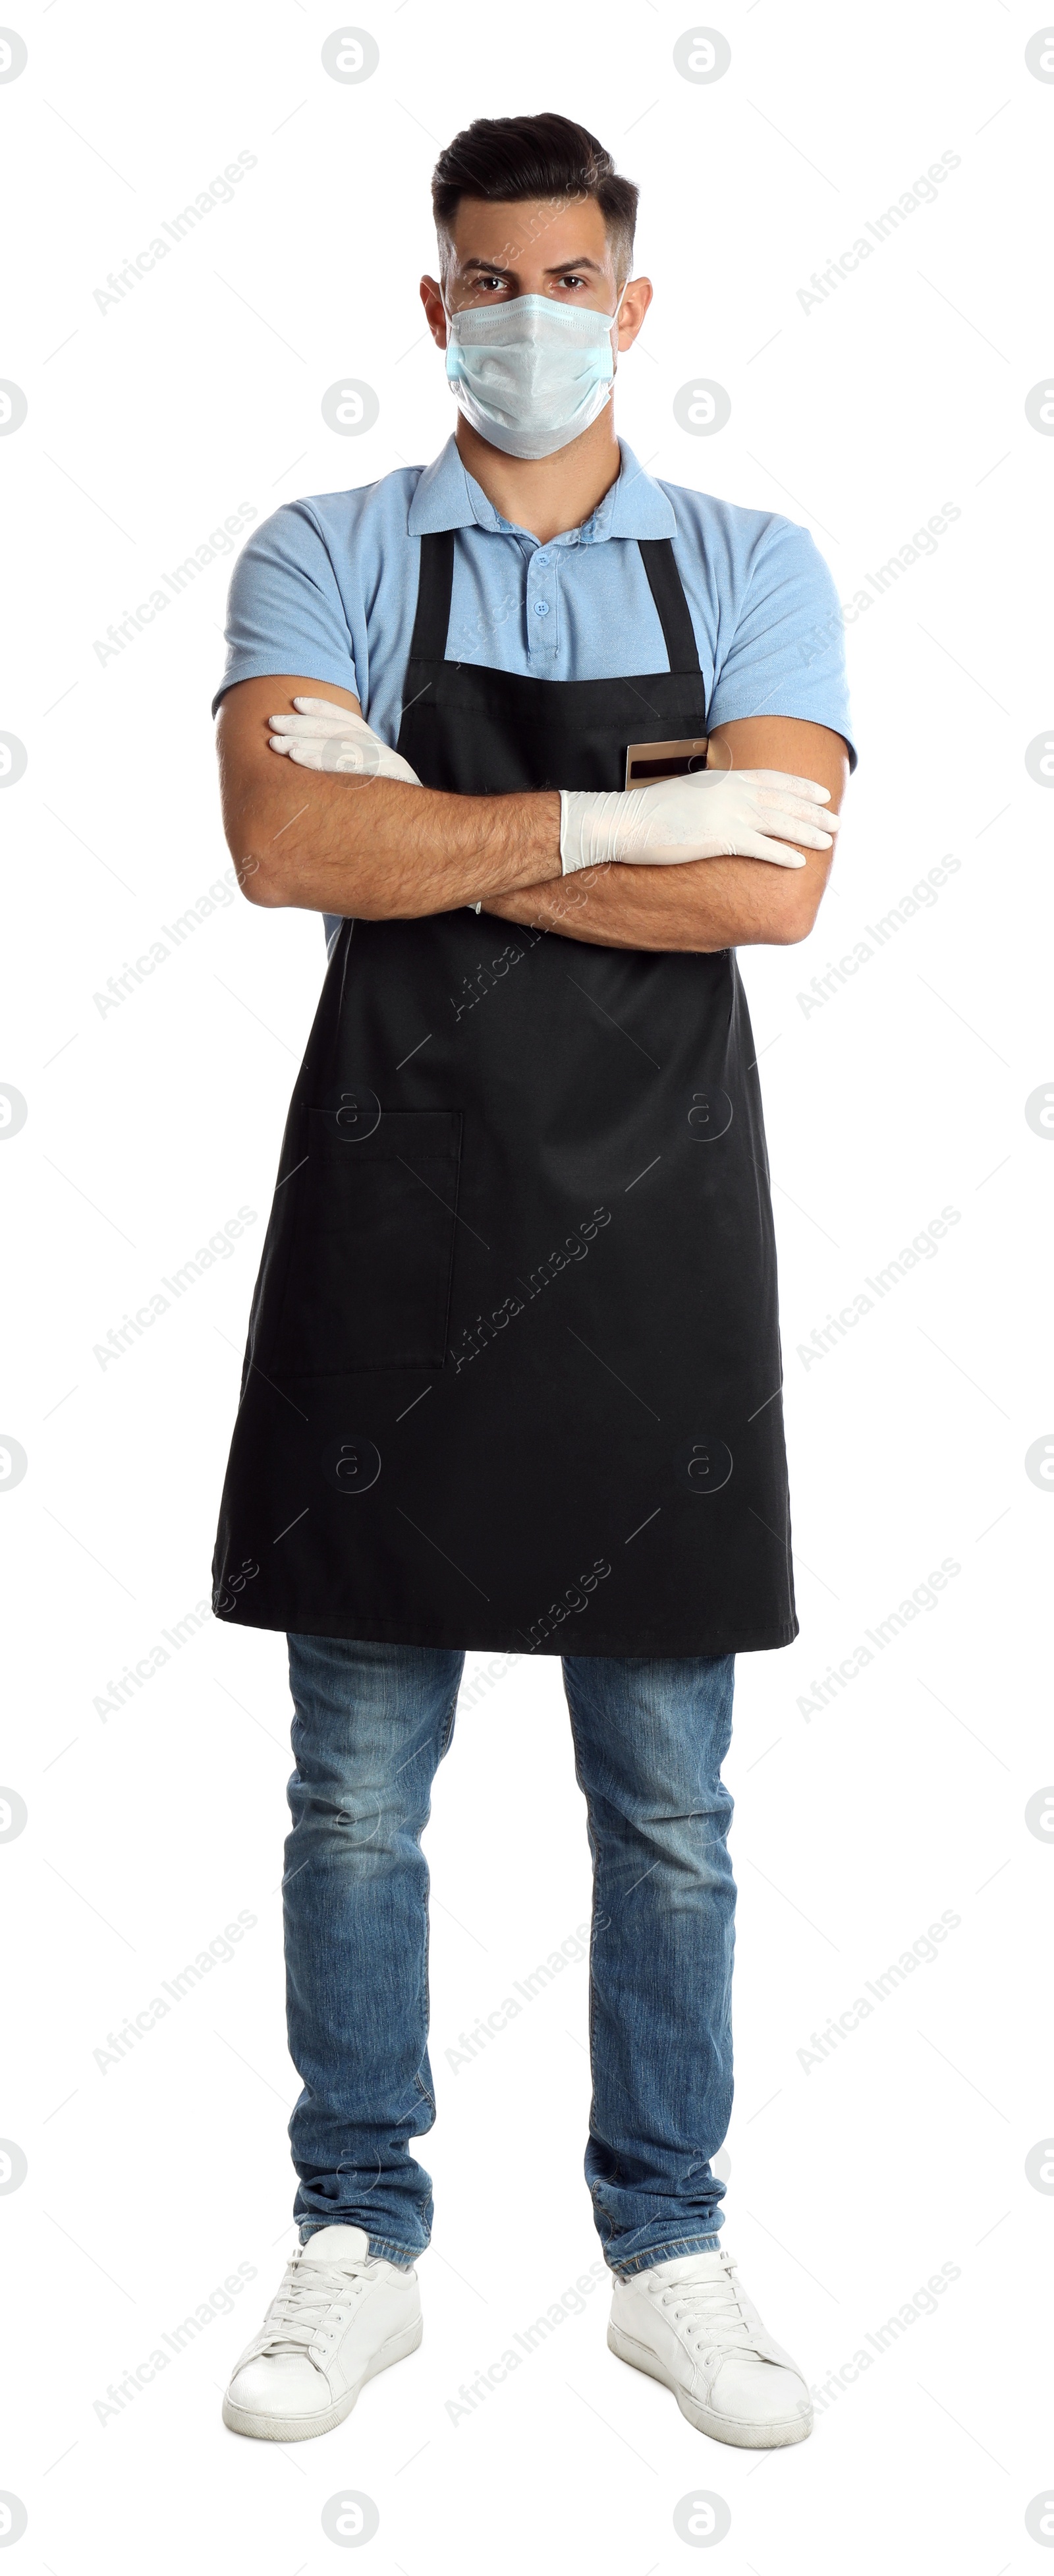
x,y
560,267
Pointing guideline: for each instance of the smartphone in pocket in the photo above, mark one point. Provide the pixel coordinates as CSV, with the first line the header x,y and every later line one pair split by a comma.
x,y
647,762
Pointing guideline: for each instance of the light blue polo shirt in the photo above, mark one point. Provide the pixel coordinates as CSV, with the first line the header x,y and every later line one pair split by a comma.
x,y
327,589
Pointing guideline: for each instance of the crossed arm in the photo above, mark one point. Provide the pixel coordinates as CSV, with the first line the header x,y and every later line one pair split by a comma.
x,y
383,850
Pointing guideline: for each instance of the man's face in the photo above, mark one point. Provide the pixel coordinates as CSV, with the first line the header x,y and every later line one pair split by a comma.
x,y
536,246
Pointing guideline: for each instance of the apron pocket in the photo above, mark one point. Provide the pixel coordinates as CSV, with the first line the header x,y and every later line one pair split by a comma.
x,y
368,1277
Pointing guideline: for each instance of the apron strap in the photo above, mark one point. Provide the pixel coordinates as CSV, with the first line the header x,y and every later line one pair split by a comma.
x,y
436,580
667,590
434,585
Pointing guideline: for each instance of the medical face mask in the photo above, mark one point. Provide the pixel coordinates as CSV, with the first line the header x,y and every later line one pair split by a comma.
x,y
531,375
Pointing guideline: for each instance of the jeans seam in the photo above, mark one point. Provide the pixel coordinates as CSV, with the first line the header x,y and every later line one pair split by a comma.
x,y
448,1729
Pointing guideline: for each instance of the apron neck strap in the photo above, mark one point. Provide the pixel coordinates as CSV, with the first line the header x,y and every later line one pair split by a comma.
x,y
434,585
667,590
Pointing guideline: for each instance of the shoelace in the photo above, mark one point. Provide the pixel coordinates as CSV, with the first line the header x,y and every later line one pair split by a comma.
x,y
710,2306
299,2308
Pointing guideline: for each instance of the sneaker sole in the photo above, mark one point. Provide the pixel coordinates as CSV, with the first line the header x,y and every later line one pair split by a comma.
x,y
721,2428
303,2428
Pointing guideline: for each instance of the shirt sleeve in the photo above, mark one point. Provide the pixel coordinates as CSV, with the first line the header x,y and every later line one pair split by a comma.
x,y
786,655
284,607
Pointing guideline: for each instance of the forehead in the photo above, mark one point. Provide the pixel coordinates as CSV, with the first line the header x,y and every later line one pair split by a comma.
x,y
545,232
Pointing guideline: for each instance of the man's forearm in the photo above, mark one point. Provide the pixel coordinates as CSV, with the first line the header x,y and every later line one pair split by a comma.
x,y
706,904
384,851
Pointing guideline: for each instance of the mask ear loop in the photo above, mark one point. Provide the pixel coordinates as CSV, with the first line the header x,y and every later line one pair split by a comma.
x,y
451,343
614,319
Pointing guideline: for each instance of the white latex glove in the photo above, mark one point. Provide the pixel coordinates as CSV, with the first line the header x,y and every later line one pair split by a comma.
x,y
712,814
324,736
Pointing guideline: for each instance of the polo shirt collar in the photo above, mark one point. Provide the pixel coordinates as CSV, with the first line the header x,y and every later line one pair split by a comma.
x,y
447,496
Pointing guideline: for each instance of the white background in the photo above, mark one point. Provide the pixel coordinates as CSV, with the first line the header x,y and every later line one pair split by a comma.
x,y
852,2180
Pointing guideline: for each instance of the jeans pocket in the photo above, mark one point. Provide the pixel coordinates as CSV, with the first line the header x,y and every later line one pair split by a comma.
x,y
367,1282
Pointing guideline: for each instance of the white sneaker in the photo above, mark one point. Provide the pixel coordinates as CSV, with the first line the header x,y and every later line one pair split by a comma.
x,y
339,2317
688,2323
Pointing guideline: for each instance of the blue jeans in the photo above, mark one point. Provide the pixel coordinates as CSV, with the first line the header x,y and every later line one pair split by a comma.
x,y
371,1725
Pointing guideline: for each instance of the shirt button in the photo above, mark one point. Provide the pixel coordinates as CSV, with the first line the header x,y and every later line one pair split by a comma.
x,y
541,608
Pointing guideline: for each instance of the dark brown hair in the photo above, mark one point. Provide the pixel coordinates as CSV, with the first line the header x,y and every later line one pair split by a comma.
x,y
513,157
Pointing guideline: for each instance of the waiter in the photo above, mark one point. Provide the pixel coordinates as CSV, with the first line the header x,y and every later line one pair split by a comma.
x,y
544,741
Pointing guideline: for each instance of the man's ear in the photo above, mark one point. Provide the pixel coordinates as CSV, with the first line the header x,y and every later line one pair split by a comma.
x,y
638,294
435,311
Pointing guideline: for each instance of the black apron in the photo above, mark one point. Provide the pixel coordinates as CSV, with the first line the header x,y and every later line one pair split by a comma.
x,y
513,1371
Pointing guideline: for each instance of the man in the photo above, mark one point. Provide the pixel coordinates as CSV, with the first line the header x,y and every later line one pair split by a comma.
x,y
513,1368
